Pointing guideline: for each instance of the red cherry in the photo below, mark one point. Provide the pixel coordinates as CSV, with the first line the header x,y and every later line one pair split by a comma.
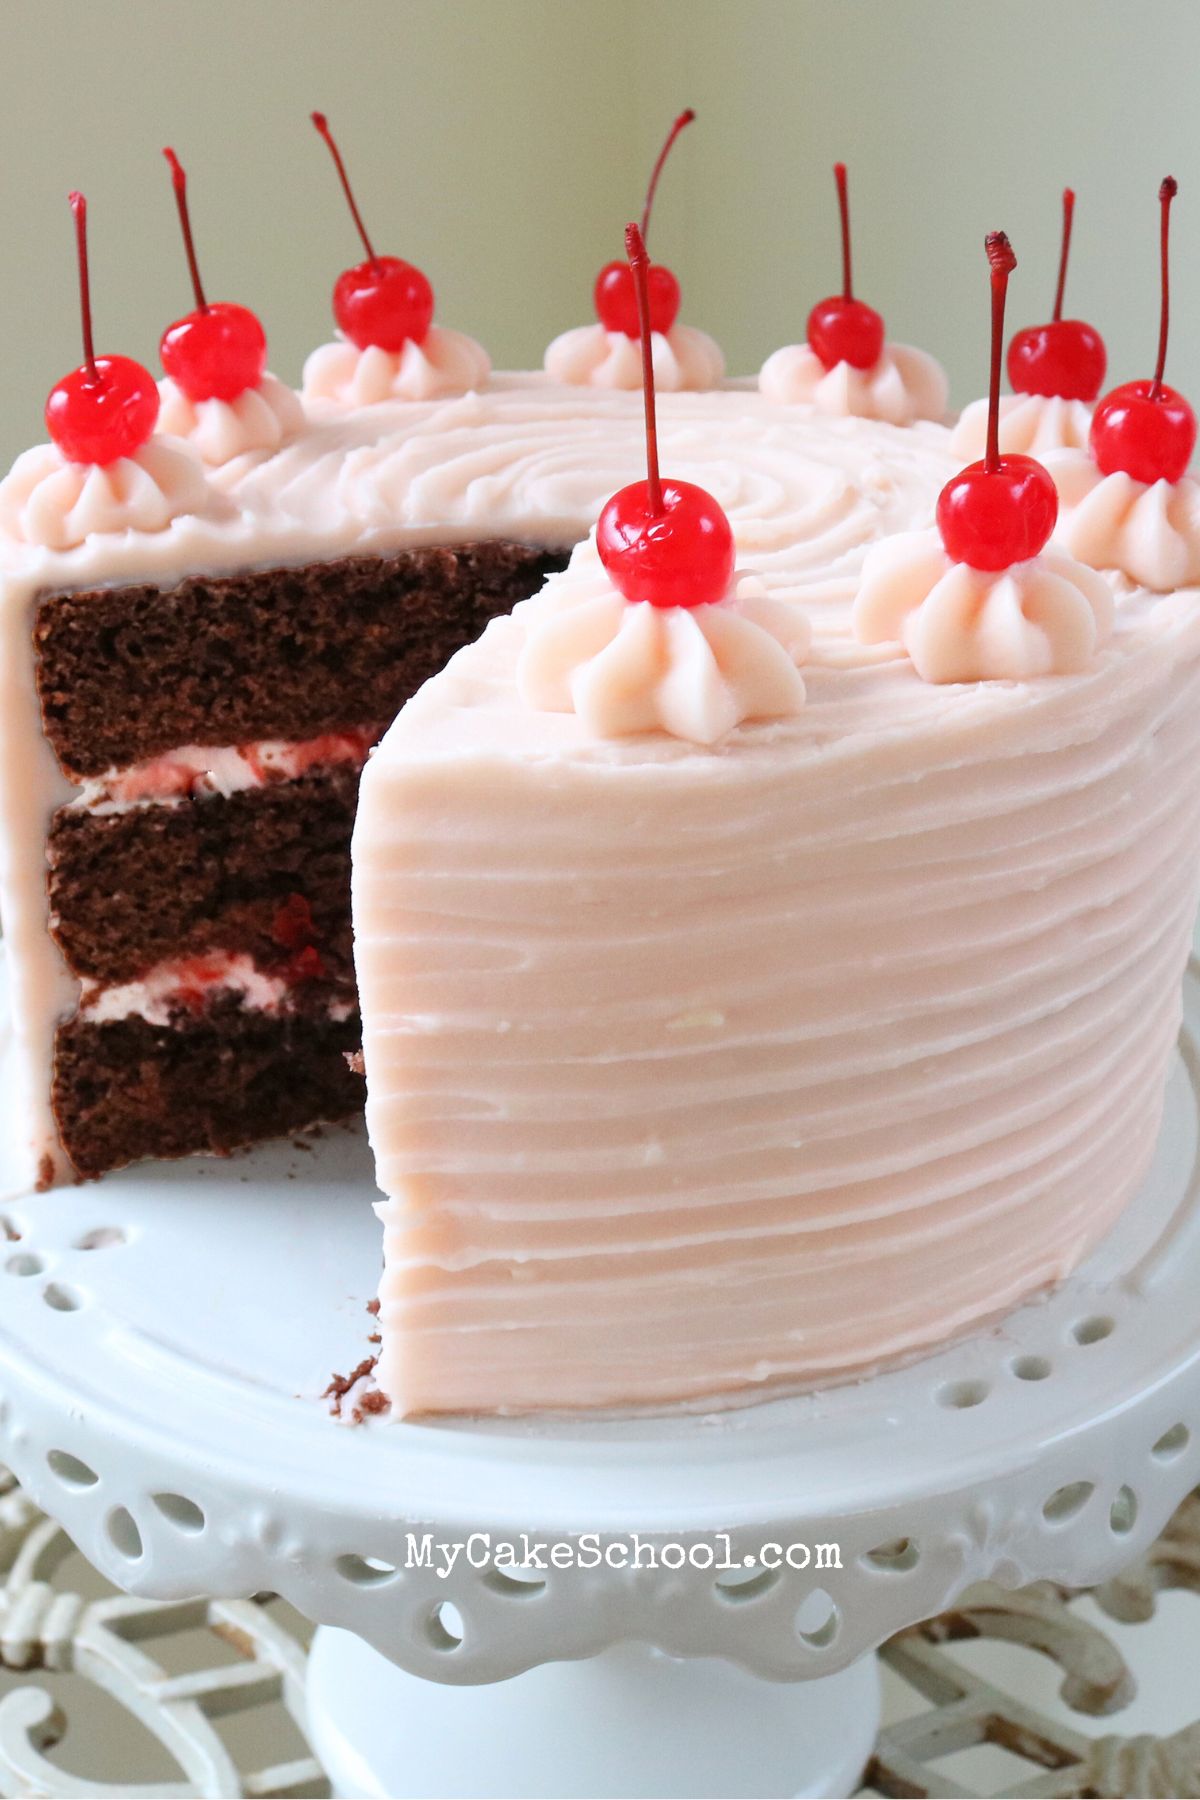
x,y
1065,359
384,302
220,350
614,294
616,298
664,542
108,407
1002,510
1144,428
994,517
841,328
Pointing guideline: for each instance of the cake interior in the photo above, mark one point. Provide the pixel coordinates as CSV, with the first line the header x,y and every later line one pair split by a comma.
x,y
199,878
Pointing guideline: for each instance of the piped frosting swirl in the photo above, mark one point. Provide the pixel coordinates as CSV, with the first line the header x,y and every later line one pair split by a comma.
x,y
906,384
692,672
1030,425
1151,533
443,363
264,417
1047,616
589,356
48,501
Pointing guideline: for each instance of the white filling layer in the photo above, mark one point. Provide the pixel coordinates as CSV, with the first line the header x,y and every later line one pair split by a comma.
x,y
222,769
191,983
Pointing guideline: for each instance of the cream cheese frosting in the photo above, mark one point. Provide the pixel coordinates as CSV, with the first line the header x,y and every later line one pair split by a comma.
x,y
1048,616
1029,425
52,503
262,417
591,356
1149,533
904,385
696,1071
443,362
694,672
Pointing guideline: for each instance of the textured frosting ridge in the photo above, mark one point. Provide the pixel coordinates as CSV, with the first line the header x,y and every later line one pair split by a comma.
x,y
1030,425
694,672
906,384
1048,616
264,417
443,363
1149,533
589,356
56,504
743,1056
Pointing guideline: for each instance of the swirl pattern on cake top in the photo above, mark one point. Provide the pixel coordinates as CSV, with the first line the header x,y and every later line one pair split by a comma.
x,y
443,363
1150,533
1030,425
263,417
589,356
904,385
693,672
1047,616
48,501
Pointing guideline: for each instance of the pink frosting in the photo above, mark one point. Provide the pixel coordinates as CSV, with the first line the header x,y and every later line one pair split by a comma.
x,y
903,386
1044,617
48,501
264,417
590,356
1030,425
443,363
1150,533
693,672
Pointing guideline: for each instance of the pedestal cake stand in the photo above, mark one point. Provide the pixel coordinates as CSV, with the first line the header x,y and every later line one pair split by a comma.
x,y
164,1339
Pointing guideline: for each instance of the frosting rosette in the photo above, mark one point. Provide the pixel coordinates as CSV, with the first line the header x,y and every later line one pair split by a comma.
x,y
906,384
1047,616
590,356
263,417
444,362
692,672
1030,425
1151,533
47,500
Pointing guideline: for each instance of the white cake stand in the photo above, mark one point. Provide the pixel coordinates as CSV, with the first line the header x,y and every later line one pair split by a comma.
x,y
164,1337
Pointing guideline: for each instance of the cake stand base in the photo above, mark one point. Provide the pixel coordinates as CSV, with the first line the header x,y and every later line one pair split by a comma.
x,y
629,1722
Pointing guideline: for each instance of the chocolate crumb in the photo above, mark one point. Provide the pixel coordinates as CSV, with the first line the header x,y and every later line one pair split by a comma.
x,y
45,1172
373,1307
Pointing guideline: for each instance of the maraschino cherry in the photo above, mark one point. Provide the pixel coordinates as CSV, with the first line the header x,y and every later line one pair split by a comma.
x,y
842,329
1002,510
382,303
1066,359
1144,428
220,350
665,542
106,408
615,300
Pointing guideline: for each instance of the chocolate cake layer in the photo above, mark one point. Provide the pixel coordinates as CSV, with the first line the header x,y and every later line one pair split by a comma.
x,y
127,1089
126,673
266,871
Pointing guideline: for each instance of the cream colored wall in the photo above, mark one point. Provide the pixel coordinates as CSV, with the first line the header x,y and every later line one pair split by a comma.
x,y
502,144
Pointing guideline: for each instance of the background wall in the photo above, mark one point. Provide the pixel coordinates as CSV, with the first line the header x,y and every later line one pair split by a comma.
x,y
502,144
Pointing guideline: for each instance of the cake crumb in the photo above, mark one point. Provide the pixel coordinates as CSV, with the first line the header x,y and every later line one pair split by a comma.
x,y
355,1397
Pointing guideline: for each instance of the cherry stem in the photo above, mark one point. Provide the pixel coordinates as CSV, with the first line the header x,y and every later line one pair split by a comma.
x,y
639,263
1166,194
1002,263
78,206
685,118
322,125
1068,216
839,175
179,183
